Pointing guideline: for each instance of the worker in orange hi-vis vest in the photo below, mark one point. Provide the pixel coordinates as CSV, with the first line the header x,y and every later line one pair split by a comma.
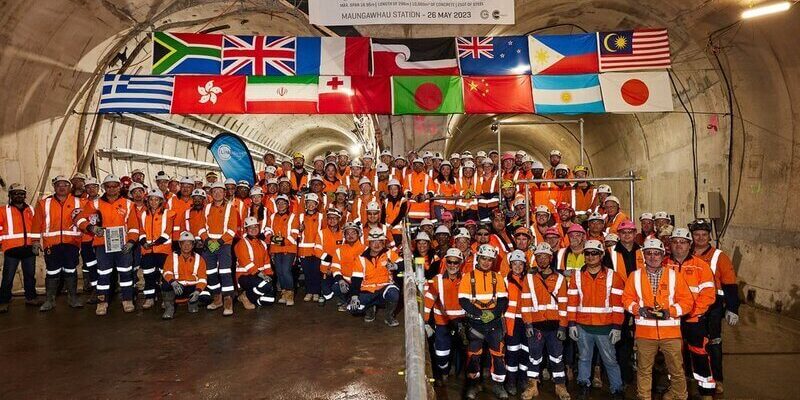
x,y
329,238
596,227
469,185
253,269
377,264
16,240
595,316
60,241
344,264
419,188
516,343
658,297
283,247
489,195
156,228
184,277
442,312
193,219
222,220
88,257
648,228
614,216
310,223
110,211
483,295
395,208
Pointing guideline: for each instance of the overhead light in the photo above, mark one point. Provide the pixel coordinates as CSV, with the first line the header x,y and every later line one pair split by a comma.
x,y
355,149
766,9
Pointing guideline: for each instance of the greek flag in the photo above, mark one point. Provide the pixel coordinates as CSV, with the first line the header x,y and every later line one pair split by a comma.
x,y
136,94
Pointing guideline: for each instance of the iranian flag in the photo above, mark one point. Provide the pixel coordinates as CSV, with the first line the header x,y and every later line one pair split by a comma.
x,y
282,94
355,95
427,95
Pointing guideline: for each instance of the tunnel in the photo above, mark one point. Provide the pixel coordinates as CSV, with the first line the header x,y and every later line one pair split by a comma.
x,y
728,150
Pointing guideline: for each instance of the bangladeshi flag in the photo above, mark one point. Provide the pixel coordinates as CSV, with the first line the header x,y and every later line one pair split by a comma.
x,y
355,95
427,95
498,94
208,95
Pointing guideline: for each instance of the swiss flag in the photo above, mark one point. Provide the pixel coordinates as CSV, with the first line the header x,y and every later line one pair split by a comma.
x,y
355,95
209,95
498,94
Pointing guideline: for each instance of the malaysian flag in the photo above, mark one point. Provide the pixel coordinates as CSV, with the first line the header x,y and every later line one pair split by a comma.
x,y
634,50
258,55
136,94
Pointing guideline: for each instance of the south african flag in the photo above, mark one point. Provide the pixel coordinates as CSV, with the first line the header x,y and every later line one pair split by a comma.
x,y
186,53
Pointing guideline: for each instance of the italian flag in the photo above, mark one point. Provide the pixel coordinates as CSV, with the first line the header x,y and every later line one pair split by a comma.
x,y
282,94
427,95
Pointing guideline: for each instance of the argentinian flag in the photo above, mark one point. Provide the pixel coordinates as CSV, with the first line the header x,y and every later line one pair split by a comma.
x,y
567,94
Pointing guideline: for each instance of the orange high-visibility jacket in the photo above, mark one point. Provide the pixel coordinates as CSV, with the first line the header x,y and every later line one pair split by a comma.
x,y
101,212
390,244
520,175
194,221
490,189
360,207
514,311
446,189
308,244
583,201
721,266
544,299
222,222
482,288
618,262
441,299
53,221
252,257
179,205
86,236
473,185
16,227
375,271
157,228
596,301
395,212
346,262
613,223
298,180
672,293
286,226
327,243
186,270
697,274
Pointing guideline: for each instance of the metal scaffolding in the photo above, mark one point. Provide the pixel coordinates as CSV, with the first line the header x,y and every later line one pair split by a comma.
x,y
496,128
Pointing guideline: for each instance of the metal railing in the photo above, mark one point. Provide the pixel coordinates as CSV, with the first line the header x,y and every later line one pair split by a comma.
x,y
415,344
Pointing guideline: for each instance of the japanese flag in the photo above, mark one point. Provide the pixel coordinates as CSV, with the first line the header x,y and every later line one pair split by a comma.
x,y
625,92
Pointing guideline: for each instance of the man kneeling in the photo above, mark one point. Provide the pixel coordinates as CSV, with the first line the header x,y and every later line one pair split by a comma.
x,y
253,270
377,286
184,277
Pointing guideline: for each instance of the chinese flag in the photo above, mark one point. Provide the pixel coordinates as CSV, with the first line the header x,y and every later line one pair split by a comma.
x,y
355,95
209,95
498,94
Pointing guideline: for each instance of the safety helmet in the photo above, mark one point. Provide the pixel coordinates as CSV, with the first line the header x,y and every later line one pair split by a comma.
x,y
516,255
593,245
376,234
455,253
250,221
653,244
543,248
486,250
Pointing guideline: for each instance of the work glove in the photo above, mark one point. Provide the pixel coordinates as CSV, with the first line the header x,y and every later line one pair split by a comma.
x,y
732,318
176,287
194,297
198,244
646,312
561,334
662,313
391,266
148,245
354,305
36,249
127,248
428,330
264,277
343,286
529,330
487,316
96,230
615,336
573,333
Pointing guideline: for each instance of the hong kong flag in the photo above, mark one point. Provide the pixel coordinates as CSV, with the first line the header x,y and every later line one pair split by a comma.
x,y
209,95
355,95
498,94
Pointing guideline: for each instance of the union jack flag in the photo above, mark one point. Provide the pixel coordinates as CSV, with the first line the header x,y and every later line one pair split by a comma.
x,y
475,47
258,55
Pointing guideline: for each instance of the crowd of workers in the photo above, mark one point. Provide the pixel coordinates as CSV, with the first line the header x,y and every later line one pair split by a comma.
x,y
539,279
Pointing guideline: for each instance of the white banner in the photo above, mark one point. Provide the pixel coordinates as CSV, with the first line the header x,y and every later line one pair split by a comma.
x,y
375,12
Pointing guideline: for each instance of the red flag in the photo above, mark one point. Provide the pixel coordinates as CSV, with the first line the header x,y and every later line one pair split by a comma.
x,y
498,94
208,95
355,95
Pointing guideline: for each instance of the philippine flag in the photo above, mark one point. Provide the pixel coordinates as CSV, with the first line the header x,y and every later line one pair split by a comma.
x,y
563,54
567,94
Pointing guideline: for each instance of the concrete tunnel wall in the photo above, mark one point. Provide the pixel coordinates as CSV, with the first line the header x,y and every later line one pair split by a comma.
x,y
50,52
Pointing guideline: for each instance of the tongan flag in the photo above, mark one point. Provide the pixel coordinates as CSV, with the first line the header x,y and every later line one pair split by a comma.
x,y
136,94
233,157
399,57
281,94
567,94
355,95
498,55
563,54
333,56
636,91
208,95
186,53
497,94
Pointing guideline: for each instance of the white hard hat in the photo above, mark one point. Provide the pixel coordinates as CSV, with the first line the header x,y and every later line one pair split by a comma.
x,y
427,154
681,233
60,178
646,215
161,176
386,152
455,253
447,163
312,197
418,160
543,248
199,192
256,190
243,183
186,236
91,181
352,225
562,167
612,198
521,153
364,180
537,165
356,163
469,164
154,192
516,255
217,185
661,215
273,181
462,233
282,197
134,186
368,155
441,229
593,245
394,182
373,206
555,152
487,161
596,217
250,221
187,180
653,244
520,201
313,178
321,158
382,167
455,156
376,234
422,236
480,153
111,179
17,187
486,250
611,237
270,169
542,209
137,171
230,181
425,221
604,189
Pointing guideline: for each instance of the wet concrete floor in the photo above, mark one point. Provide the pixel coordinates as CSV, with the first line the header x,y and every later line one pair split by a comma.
x,y
300,352
761,361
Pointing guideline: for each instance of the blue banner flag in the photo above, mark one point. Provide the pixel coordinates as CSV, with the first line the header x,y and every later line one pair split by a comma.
x,y
493,55
233,157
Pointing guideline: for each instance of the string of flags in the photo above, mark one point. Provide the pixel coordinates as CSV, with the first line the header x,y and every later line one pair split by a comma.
x,y
603,72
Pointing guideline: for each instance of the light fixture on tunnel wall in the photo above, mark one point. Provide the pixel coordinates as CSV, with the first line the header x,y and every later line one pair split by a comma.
x,y
766,9
355,150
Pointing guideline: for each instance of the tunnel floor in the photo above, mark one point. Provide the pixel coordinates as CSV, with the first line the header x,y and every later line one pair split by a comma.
x,y
300,352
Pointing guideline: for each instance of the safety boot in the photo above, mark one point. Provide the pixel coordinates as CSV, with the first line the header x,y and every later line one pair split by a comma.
x,y
473,388
597,381
246,302
87,284
227,302
169,305
719,388
92,298
369,315
499,391
570,374
308,297
583,392
194,307
315,298
282,300
102,306
35,302
71,282
149,303
50,287
341,307
561,392
3,308
127,306
531,391
289,298
389,317
320,301
217,303
511,385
